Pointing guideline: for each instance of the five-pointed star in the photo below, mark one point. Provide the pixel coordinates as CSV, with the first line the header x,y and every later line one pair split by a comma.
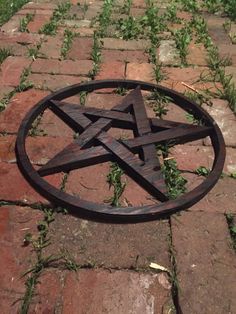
x,y
94,145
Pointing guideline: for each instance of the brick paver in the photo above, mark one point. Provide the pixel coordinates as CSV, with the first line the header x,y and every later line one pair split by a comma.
x,y
194,246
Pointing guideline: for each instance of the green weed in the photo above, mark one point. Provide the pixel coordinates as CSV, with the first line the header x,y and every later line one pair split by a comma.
x,y
105,17
130,28
59,14
4,53
114,179
231,220
67,42
212,6
190,5
182,39
125,9
230,8
9,8
203,171
24,83
175,182
95,55
25,21
159,103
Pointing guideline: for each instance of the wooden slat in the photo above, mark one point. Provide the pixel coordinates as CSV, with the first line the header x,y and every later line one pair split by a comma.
x,y
177,135
133,166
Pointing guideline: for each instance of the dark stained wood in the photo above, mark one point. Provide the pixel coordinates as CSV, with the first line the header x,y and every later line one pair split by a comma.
x,y
177,135
132,165
92,125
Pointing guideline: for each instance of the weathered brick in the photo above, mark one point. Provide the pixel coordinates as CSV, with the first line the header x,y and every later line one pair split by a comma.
x,y
225,119
140,72
51,47
20,104
12,25
231,70
120,44
16,188
11,70
228,51
66,67
15,258
77,23
124,56
122,292
79,235
93,10
167,53
206,261
111,70
216,30
54,82
81,49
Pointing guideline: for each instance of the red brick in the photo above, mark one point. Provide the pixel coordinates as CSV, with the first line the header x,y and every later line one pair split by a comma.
x,y
140,72
51,47
54,126
197,54
81,49
15,188
38,22
192,157
35,12
120,44
189,74
11,70
67,67
21,38
4,91
124,56
216,30
15,258
90,183
228,51
221,199
205,263
102,101
41,149
39,6
93,11
115,292
20,104
7,148
54,82
111,70
48,293
16,49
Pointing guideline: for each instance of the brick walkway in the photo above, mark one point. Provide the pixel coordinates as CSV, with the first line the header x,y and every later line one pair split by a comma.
x,y
114,274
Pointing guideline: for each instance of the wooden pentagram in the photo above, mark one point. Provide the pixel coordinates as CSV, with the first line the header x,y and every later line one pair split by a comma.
x,y
94,145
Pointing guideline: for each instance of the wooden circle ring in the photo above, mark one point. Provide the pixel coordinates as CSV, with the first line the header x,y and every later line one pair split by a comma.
x,y
119,214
